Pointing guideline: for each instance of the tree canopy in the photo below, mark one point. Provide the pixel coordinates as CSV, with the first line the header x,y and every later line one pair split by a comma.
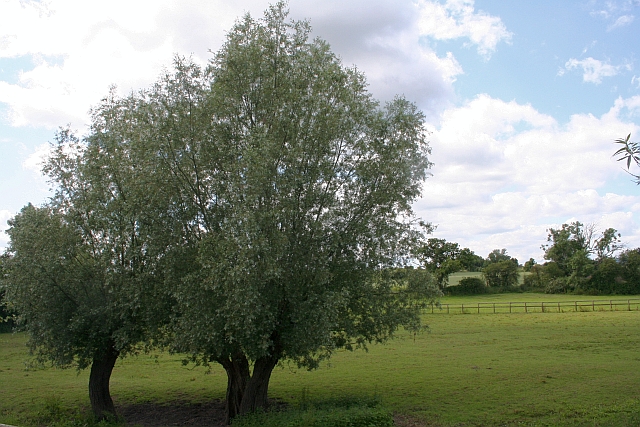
x,y
264,199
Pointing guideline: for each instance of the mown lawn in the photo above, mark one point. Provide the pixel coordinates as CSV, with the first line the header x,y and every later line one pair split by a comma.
x,y
537,369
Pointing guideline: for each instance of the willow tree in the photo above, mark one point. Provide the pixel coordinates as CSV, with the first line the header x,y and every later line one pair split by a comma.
x,y
84,271
300,187
267,194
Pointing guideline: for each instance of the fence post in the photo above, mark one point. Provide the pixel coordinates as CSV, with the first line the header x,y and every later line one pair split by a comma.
x,y
432,308
543,307
593,305
525,308
462,308
576,303
509,307
447,308
494,308
629,304
610,305
478,308
558,306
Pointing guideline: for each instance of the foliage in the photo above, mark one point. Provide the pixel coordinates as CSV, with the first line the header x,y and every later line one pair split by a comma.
x,y
443,258
630,263
499,255
528,266
435,252
574,243
468,286
470,261
582,260
501,274
629,152
533,282
6,315
84,272
268,194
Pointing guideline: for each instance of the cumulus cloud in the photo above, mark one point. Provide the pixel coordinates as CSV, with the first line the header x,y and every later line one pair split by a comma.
x,y
79,49
458,19
383,39
505,173
593,70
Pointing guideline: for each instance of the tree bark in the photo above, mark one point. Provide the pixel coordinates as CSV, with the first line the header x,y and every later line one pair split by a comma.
x,y
255,393
237,369
99,395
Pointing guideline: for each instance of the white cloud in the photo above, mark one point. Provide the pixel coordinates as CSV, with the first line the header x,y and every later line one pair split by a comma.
x,y
35,160
504,173
458,19
621,21
81,48
593,69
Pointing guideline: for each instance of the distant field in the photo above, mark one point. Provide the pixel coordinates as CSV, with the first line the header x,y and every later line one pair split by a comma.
x,y
541,369
454,279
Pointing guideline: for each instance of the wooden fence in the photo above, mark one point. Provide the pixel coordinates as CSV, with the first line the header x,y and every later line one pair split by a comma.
x,y
536,307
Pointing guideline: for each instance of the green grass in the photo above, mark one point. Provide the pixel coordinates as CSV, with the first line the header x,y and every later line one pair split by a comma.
x,y
542,369
454,278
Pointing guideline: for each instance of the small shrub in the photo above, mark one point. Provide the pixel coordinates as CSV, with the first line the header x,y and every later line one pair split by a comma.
x,y
532,283
468,286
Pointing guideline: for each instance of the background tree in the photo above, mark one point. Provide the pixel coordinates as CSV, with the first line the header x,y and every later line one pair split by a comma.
x,y
470,261
501,274
529,265
499,255
294,189
576,253
630,262
6,315
565,243
435,252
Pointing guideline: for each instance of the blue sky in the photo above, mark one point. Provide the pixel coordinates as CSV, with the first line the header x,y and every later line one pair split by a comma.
x,y
523,99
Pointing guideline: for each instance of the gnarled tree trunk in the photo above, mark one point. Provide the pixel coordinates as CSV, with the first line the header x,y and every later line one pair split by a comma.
x,y
246,392
255,394
99,394
238,374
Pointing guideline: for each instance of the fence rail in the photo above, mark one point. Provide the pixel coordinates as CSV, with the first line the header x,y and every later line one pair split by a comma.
x,y
536,307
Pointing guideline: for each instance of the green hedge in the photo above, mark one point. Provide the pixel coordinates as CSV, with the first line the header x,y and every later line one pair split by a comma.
x,y
468,286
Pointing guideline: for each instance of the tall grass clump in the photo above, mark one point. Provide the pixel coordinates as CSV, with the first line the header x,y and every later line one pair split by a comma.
x,y
343,412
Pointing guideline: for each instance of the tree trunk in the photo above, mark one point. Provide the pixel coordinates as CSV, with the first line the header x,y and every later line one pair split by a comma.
x,y
99,394
255,393
237,369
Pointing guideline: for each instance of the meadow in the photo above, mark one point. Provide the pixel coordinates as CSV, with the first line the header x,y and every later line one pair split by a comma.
x,y
534,369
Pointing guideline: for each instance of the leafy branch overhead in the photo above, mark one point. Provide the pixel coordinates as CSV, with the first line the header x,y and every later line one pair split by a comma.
x,y
629,152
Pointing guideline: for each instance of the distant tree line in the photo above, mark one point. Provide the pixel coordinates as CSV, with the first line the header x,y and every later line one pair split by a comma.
x,y
578,259
442,258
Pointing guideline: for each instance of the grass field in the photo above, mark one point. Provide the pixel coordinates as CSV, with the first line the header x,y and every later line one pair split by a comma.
x,y
541,369
454,278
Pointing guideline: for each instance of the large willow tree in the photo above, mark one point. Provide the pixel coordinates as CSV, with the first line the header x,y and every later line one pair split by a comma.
x,y
301,188
271,195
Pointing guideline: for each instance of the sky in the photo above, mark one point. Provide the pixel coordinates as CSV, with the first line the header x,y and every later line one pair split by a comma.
x,y
523,100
